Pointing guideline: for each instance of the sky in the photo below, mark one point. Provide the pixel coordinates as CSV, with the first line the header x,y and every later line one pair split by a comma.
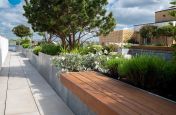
x,y
126,12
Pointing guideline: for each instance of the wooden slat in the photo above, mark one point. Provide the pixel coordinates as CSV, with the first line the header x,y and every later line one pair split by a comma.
x,y
105,93
159,104
107,96
94,99
111,91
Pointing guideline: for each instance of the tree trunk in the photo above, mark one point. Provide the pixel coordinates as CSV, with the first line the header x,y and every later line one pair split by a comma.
x,y
50,38
166,41
63,42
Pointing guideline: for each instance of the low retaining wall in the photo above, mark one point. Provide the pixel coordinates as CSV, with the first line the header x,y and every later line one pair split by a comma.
x,y
43,64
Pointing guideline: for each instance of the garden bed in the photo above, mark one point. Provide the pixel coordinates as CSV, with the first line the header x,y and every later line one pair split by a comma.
x,y
145,71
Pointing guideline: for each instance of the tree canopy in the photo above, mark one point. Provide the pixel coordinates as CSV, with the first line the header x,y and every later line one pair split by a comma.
x,y
21,31
167,31
70,20
173,3
148,32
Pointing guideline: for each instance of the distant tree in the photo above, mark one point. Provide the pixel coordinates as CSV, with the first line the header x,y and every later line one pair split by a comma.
x,y
148,32
21,31
173,13
166,31
73,21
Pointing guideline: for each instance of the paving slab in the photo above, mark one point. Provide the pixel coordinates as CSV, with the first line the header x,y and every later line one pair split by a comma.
x,y
52,105
20,101
25,92
16,82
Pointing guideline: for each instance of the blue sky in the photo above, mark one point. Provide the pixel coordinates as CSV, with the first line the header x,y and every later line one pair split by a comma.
x,y
126,12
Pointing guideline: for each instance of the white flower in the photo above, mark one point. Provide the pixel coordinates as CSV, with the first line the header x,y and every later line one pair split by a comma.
x,y
105,52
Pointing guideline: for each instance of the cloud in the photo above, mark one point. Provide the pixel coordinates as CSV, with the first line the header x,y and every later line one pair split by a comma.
x,y
126,12
4,4
11,16
132,12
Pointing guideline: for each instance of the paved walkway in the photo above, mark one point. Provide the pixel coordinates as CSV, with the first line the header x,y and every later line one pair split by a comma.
x,y
23,91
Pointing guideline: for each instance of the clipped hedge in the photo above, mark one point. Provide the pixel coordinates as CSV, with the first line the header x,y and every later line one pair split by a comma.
x,y
25,45
50,49
37,49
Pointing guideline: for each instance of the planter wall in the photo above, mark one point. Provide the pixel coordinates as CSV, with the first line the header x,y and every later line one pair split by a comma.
x,y
44,66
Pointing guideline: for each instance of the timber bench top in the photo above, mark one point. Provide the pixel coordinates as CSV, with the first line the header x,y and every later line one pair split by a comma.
x,y
107,96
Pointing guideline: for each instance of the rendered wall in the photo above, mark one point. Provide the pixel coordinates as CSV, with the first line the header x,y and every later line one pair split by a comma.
x,y
163,16
4,47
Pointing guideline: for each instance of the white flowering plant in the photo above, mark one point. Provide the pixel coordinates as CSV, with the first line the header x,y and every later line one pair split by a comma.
x,y
76,62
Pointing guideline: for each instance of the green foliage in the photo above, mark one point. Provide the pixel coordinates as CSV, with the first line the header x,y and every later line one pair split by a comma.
x,y
21,31
37,49
147,32
173,12
91,49
110,48
25,41
50,49
132,41
113,66
77,62
148,72
166,31
128,45
70,20
25,45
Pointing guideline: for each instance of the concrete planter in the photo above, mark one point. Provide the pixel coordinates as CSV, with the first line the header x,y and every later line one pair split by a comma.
x,y
43,64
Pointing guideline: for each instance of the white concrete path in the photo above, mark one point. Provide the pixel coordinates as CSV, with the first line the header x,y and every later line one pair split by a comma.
x,y
23,91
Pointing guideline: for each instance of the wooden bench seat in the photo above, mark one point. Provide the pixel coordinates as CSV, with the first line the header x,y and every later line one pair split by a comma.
x,y
106,96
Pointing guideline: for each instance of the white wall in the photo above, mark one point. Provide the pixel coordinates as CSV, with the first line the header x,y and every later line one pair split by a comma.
x,y
4,47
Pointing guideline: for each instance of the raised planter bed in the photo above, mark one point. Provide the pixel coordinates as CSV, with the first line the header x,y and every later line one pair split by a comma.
x,y
43,64
106,96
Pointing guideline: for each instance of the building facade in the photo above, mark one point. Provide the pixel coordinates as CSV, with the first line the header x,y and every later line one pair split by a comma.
x,y
118,36
162,18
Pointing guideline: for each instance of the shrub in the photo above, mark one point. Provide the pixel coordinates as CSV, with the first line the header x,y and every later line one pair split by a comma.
x,y
37,49
25,45
68,62
77,62
50,49
168,80
24,41
91,49
173,46
132,41
127,45
147,71
113,66
110,48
